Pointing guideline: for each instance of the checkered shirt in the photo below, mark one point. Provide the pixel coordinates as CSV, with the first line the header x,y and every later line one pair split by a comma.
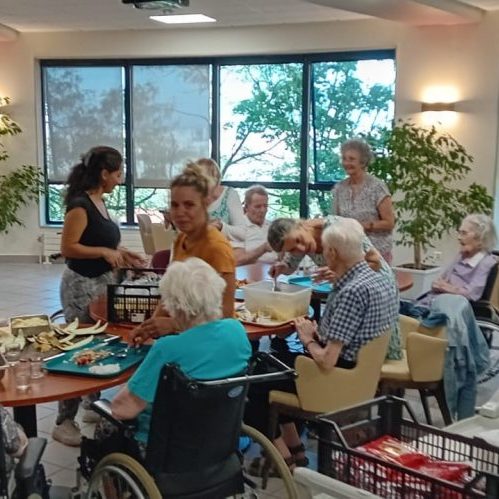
x,y
364,305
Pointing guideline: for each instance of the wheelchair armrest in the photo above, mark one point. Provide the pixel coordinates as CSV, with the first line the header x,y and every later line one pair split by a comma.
x,y
28,462
484,309
103,407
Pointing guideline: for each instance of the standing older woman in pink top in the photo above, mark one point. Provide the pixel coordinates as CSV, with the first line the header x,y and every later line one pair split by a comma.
x,y
365,197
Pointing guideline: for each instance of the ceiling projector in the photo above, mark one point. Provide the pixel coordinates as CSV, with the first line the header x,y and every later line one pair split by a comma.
x,y
167,5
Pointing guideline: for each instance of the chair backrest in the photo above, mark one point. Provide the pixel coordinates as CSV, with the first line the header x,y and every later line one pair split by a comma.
x,y
194,425
490,283
491,291
320,391
145,227
163,239
160,260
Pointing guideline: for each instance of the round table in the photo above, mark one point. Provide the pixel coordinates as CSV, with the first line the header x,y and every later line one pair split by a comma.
x,y
98,311
50,388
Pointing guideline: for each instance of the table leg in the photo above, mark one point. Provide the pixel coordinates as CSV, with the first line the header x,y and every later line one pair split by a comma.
x,y
26,417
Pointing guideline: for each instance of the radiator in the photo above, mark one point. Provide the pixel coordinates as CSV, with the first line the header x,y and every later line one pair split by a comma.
x,y
50,243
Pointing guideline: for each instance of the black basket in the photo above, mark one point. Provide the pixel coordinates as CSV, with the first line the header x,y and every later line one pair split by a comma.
x,y
342,431
133,302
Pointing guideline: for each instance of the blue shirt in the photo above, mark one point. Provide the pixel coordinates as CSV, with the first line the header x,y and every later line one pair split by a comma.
x,y
363,306
213,350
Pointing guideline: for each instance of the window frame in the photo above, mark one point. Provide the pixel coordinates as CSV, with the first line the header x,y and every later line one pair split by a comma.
x,y
304,185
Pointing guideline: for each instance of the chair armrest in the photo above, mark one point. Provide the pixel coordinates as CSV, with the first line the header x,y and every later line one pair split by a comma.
x,y
426,357
103,407
30,459
484,309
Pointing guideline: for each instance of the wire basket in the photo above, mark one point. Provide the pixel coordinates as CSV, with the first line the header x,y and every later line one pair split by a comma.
x,y
342,431
136,296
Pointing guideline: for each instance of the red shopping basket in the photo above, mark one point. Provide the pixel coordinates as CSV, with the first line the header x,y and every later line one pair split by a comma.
x,y
341,432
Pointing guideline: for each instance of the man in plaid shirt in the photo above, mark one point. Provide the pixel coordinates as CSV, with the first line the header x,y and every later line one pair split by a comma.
x,y
363,306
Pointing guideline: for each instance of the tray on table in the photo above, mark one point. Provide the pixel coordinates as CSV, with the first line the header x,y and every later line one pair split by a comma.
x,y
63,364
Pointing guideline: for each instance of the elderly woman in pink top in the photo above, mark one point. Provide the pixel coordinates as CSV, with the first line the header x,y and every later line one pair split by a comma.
x,y
467,274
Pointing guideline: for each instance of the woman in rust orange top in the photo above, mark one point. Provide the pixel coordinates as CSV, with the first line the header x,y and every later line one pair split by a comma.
x,y
189,202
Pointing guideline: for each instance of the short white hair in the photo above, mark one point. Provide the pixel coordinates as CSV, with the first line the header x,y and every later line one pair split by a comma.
x,y
484,230
345,235
194,288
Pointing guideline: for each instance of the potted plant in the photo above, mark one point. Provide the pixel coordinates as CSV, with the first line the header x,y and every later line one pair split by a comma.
x,y
423,168
18,187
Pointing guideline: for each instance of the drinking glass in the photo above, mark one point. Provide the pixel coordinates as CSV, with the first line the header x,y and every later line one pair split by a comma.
x,y
35,365
12,353
22,375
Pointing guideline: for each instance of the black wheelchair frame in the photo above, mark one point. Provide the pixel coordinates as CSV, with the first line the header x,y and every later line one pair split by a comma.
x,y
192,451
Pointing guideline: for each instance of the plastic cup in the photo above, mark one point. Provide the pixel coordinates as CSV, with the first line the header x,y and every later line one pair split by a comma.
x,y
35,365
22,375
12,353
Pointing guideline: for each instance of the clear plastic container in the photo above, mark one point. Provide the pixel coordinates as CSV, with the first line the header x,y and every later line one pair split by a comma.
x,y
290,302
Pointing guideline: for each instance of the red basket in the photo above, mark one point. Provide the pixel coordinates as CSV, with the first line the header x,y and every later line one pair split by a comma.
x,y
341,432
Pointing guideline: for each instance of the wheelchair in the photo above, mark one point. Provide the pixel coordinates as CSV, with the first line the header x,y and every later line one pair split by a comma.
x,y
25,479
486,309
193,446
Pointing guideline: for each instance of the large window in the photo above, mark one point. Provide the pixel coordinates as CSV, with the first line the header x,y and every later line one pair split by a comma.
x,y
277,121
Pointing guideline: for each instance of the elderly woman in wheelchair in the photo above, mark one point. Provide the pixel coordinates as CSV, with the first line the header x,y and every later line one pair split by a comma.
x,y
467,274
188,399
450,302
208,348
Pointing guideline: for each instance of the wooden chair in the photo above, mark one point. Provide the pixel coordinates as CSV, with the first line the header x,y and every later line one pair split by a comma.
x,y
422,365
154,235
318,391
145,227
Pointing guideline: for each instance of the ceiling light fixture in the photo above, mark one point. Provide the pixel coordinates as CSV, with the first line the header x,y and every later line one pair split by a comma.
x,y
166,5
184,19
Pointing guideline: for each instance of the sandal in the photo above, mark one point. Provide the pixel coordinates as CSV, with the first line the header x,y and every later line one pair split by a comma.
x,y
299,461
257,466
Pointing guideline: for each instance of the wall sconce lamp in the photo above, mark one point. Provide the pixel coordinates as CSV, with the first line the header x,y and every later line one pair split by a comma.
x,y
438,106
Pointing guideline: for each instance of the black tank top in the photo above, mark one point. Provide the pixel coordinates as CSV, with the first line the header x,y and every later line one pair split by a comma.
x,y
100,231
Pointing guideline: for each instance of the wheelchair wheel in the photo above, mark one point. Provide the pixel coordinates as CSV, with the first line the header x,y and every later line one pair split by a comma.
x,y
284,476
118,476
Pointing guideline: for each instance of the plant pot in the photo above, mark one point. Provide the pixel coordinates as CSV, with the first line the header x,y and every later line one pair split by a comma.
x,y
422,280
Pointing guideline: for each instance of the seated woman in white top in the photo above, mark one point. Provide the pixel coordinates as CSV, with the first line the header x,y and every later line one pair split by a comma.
x,y
225,209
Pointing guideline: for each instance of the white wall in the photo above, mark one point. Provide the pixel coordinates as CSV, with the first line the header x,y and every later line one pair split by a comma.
x,y
465,57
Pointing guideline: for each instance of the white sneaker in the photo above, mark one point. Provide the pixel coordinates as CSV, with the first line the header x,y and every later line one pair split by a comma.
x,y
89,416
67,433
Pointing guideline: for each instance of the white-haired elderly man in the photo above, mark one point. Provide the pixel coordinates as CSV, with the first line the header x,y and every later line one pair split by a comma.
x,y
209,347
250,242
363,306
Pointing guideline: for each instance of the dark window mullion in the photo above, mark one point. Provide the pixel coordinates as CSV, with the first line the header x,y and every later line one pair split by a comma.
x,y
215,113
129,178
305,120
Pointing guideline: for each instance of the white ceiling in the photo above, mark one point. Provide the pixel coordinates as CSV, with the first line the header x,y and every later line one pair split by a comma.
x,y
95,15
